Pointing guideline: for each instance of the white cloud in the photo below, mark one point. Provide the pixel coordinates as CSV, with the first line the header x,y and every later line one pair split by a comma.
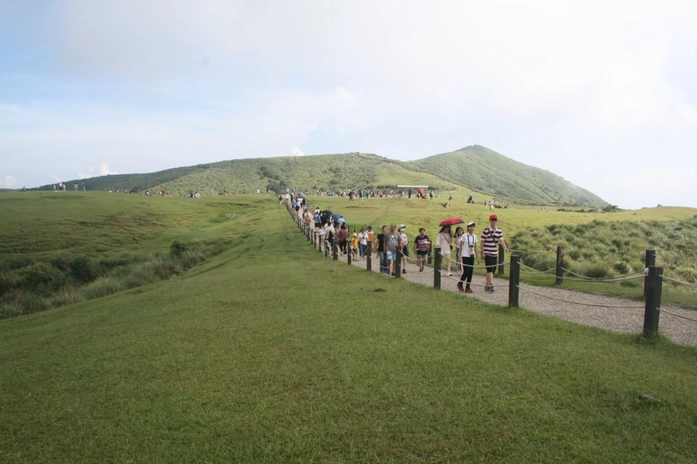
x,y
9,182
104,169
295,151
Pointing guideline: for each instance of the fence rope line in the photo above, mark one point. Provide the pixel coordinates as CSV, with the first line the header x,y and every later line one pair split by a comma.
x,y
579,303
532,252
457,277
594,279
535,270
676,315
618,279
677,281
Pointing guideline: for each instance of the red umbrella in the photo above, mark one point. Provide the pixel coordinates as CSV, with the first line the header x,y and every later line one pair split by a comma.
x,y
420,191
452,221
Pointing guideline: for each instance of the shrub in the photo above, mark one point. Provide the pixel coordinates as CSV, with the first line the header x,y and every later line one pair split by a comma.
x,y
32,303
191,258
8,310
177,248
631,283
101,287
622,268
124,259
595,270
60,261
81,269
66,297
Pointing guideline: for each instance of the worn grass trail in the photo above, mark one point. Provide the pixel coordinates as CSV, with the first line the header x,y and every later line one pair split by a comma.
x,y
268,353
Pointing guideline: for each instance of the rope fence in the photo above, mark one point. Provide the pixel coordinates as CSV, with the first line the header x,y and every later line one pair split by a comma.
x,y
652,275
580,303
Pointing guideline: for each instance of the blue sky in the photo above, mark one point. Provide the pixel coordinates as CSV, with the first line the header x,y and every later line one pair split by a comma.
x,y
602,93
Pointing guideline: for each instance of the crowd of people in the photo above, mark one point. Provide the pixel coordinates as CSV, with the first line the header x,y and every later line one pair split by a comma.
x,y
467,246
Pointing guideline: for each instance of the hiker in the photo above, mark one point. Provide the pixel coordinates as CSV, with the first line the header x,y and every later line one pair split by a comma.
x,y
404,246
382,250
468,251
443,241
422,246
342,236
491,237
363,242
391,244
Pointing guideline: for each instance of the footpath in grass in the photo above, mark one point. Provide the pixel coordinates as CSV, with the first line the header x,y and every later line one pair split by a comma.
x,y
268,353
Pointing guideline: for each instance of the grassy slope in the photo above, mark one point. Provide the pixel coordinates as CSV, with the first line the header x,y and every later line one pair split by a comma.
x,y
245,176
485,170
473,169
269,353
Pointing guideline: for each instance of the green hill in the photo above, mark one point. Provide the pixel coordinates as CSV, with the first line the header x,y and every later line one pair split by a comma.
x,y
485,170
473,170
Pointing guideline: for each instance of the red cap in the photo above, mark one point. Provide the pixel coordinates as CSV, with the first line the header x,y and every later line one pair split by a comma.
x,y
493,216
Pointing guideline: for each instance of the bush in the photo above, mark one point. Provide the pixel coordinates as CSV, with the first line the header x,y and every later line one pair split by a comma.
x,y
595,271
66,297
176,249
631,283
8,310
81,269
32,303
101,287
622,268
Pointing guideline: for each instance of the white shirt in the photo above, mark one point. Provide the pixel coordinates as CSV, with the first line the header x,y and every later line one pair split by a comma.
x,y
467,241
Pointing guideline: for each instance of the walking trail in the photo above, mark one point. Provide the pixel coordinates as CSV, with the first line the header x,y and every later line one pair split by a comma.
x,y
614,314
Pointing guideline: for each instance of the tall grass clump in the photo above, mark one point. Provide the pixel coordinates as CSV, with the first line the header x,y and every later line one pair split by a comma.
x,y
104,286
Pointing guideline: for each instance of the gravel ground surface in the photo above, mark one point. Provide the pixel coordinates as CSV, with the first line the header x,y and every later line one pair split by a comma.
x,y
615,314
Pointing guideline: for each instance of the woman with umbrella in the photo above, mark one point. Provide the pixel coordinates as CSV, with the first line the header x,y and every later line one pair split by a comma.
x,y
445,239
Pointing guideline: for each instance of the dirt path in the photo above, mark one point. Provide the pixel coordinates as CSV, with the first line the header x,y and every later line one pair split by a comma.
x,y
615,314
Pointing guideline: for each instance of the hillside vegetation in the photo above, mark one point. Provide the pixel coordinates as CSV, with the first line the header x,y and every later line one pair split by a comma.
x,y
485,170
267,352
474,171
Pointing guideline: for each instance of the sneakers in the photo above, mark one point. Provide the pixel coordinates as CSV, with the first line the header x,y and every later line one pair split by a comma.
x,y
468,290
404,271
459,287
489,288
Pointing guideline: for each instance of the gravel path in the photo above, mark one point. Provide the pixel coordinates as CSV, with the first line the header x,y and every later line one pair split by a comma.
x,y
629,318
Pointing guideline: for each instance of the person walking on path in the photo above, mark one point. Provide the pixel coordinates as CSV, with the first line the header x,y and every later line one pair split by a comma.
x,y
363,242
468,251
422,247
444,242
491,237
404,246
392,242
382,250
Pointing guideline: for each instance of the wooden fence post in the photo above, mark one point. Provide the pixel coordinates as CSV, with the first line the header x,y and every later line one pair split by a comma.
x,y
502,259
349,254
436,269
514,281
335,250
398,263
653,301
369,261
650,260
560,265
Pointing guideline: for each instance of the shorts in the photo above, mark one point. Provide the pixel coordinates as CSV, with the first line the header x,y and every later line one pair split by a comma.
x,y
491,263
405,252
391,255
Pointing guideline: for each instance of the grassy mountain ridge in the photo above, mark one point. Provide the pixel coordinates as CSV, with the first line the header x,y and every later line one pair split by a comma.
x,y
485,170
472,170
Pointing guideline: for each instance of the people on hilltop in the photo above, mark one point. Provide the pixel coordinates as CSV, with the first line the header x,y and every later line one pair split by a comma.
x,y
492,236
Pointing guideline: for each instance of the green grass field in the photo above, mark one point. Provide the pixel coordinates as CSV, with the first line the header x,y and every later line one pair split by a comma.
x,y
266,352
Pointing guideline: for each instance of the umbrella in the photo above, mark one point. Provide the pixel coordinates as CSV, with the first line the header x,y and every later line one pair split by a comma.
x,y
420,191
452,221
340,220
327,212
335,216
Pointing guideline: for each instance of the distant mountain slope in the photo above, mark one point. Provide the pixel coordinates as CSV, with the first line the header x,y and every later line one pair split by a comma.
x,y
340,171
473,170
485,170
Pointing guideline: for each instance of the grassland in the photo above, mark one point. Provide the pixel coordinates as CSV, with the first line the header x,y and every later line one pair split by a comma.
x,y
268,353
